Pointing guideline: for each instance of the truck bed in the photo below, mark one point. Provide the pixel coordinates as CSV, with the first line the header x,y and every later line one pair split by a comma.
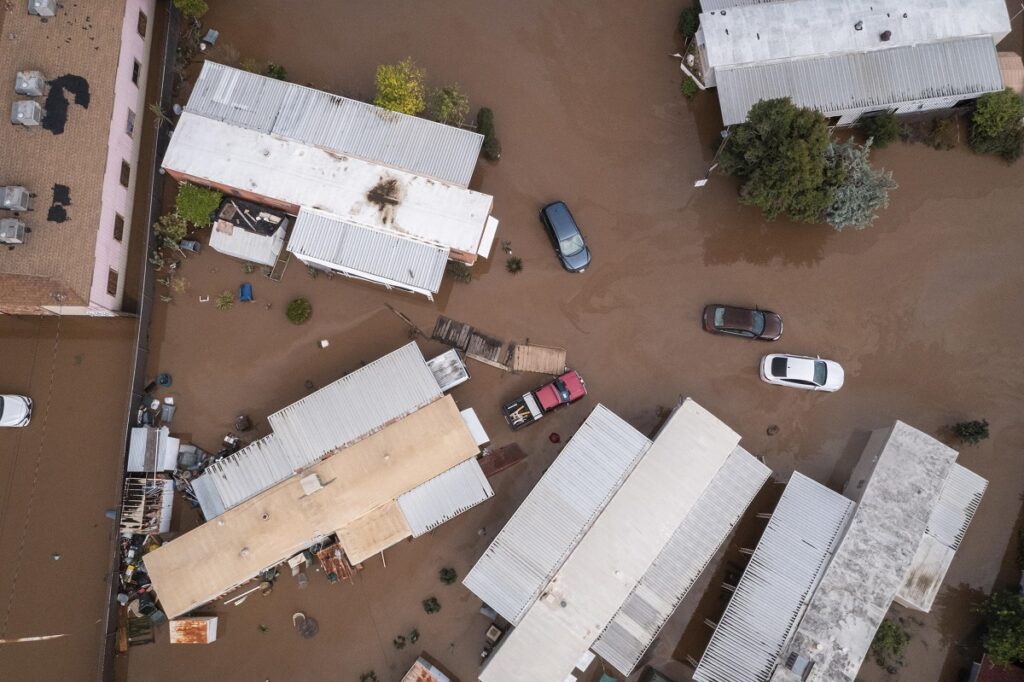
x,y
522,411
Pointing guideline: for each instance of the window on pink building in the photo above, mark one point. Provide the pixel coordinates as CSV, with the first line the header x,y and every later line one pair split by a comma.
x,y
143,22
136,70
130,123
112,282
118,226
126,173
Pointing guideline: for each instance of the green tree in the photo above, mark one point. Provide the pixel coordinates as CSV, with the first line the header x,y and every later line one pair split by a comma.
x,y
972,432
277,71
485,126
996,126
194,9
170,229
883,129
449,105
864,189
400,87
196,204
780,154
299,311
689,21
1003,613
889,642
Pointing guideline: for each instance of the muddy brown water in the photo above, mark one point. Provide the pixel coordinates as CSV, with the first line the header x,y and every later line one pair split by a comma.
x,y
921,309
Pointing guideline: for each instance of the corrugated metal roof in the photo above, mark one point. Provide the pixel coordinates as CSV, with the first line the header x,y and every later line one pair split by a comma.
x,y
867,80
381,256
249,246
558,511
961,494
336,123
444,497
334,417
776,586
714,5
685,556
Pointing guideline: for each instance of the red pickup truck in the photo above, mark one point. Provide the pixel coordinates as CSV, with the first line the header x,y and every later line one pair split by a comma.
x,y
531,406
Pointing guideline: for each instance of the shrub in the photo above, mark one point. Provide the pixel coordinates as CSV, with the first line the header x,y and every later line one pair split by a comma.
x,y
414,634
277,71
485,126
996,126
312,272
225,301
460,272
943,134
197,204
399,642
972,432
299,311
883,129
1008,145
400,87
368,677
194,9
689,21
448,575
514,264
1004,627
248,268
688,87
431,605
249,64
170,228
889,642
449,105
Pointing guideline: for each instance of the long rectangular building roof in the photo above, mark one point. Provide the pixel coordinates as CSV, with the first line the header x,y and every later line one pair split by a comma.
x,y
778,582
379,255
872,561
613,557
267,529
339,414
298,174
335,123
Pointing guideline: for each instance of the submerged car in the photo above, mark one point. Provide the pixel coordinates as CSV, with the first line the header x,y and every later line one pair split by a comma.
x,y
569,243
763,325
800,371
15,410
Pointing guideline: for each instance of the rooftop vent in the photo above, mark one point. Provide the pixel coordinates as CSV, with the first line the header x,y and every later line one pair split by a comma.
x,y
12,231
14,198
29,83
42,8
27,113
310,484
859,26
885,36
801,665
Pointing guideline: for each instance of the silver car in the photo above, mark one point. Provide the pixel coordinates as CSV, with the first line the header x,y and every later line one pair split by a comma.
x,y
15,410
800,371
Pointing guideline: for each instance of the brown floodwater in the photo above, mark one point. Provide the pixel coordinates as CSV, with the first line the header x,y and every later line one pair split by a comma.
x,y
921,309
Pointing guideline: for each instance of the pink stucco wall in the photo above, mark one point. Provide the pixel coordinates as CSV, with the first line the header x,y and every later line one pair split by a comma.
x,y
117,199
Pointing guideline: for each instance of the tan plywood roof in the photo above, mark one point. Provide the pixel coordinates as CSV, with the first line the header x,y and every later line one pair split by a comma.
x,y
265,530
374,532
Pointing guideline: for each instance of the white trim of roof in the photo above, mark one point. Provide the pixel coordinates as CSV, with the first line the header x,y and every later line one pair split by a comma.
x,y
444,497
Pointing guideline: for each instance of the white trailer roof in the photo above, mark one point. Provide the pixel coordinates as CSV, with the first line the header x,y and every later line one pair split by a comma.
x,y
299,174
237,242
335,123
381,256
152,449
559,510
339,414
444,497
624,541
782,574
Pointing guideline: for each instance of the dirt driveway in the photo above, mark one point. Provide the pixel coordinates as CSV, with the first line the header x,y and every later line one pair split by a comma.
x,y
921,309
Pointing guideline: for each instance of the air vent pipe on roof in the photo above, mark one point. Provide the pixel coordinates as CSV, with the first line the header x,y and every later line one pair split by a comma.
x,y
885,36
859,26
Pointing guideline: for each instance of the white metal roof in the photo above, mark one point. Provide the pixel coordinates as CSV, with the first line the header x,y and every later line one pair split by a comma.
x,y
336,123
778,582
880,79
299,175
559,510
874,557
766,32
444,497
615,554
961,494
379,255
241,243
334,417
449,369
152,449
680,563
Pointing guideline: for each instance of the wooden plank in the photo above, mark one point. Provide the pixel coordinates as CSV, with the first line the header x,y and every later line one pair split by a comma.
x,y
501,459
540,359
452,333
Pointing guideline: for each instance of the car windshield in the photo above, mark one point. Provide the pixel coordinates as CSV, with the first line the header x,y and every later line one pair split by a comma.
x,y
562,389
779,367
820,373
757,323
1,406
570,246
719,317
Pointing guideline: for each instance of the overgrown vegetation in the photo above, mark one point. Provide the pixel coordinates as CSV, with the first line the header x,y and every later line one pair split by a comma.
x,y
790,167
449,105
689,21
460,272
277,71
971,432
225,301
688,87
299,311
368,677
400,87
883,129
485,126
996,126
1003,614
448,575
431,605
194,9
888,645
169,229
196,204
514,264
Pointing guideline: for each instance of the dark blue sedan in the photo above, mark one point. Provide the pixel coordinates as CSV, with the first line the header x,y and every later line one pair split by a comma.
x,y
565,235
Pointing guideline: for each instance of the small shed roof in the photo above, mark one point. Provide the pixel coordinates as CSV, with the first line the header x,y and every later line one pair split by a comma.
x,y
336,123
444,497
1012,67
378,255
541,359
237,242
152,449
194,630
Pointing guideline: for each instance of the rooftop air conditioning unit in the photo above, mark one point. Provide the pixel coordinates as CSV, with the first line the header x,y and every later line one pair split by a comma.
x,y
12,231
42,8
14,198
29,83
799,664
27,113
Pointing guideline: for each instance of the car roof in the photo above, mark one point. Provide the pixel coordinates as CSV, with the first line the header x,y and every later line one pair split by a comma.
x,y
561,220
799,368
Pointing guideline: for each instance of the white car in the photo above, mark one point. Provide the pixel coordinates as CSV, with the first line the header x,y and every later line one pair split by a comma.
x,y
15,410
800,371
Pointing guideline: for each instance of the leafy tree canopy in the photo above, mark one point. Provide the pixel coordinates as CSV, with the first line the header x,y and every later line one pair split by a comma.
x,y
192,8
196,204
997,111
400,87
449,105
863,191
1004,620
